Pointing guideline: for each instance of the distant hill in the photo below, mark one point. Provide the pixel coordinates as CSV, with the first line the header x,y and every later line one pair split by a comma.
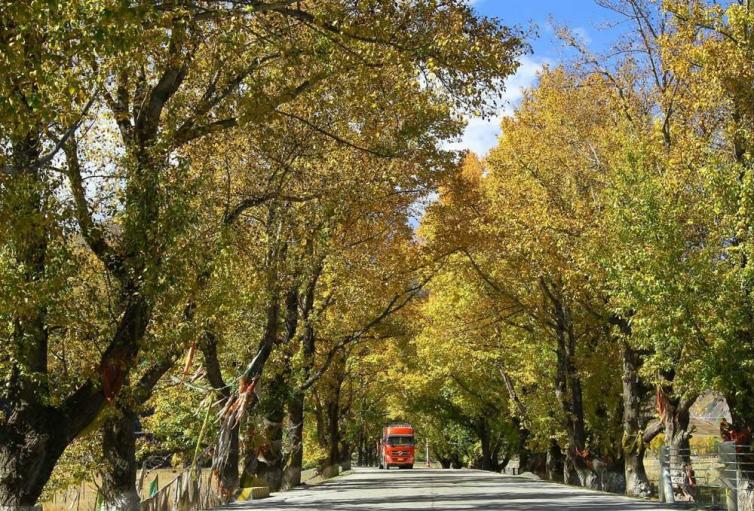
x,y
707,412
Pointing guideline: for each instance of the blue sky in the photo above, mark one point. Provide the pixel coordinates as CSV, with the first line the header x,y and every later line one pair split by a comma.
x,y
594,23
596,26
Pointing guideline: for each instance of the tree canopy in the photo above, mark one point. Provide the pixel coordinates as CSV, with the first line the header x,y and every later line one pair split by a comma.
x,y
232,235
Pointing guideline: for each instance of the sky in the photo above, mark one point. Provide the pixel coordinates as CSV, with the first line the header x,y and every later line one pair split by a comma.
x,y
596,26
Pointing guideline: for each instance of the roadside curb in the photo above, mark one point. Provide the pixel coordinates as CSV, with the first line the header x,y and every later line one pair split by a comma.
x,y
592,490
318,480
254,493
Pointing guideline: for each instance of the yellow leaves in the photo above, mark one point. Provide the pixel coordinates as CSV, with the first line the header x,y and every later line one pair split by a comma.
x,y
472,171
544,179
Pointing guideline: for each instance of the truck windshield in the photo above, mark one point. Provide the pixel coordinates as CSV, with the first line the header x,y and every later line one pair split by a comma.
x,y
400,440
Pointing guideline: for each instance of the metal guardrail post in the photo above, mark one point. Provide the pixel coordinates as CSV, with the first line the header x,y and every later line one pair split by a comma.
x,y
666,484
730,474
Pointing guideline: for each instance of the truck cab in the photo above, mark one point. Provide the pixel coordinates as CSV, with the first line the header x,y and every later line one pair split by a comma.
x,y
397,446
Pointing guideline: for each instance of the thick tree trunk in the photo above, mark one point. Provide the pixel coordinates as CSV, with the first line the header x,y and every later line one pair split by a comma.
x,y
227,474
633,446
119,457
118,472
504,462
344,454
568,392
272,460
295,446
637,482
35,436
554,461
360,448
236,403
489,459
524,453
31,442
333,434
371,454
328,416
30,437
676,416
296,405
269,469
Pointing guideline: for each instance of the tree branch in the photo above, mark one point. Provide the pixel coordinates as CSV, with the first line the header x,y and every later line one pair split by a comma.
x,y
335,137
92,233
395,305
147,121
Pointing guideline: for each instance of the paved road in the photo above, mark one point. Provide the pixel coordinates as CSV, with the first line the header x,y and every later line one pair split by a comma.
x,y
399,490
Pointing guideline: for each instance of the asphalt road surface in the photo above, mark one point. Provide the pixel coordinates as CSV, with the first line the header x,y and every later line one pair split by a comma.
x,y
399,490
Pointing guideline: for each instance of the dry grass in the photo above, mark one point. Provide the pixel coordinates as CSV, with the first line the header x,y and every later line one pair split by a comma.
x,y
84,496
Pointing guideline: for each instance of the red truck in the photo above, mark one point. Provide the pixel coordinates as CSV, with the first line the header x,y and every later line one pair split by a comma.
x,y
397,446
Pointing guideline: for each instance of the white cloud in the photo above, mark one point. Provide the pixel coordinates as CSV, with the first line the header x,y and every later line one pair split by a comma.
x,y
481,134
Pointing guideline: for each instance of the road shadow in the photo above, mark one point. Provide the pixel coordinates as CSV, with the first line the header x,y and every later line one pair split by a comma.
x,y
442,490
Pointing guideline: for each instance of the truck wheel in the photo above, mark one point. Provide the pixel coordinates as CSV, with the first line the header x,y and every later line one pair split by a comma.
x,y
410,467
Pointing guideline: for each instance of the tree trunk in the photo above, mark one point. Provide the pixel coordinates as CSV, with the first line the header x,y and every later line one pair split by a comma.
x,y
360,448
519,422
568,392
504,462
328,416
554,461
296,405
524,454
222,459
31,442
295,447
333,434
344,460
226,474
30,437
489,456
119,441
35,436
269,469
675,412
118,473
371,454
633,446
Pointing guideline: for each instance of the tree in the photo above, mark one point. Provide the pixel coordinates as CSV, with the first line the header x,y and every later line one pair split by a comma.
x,y
523,227
719,45
176,76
